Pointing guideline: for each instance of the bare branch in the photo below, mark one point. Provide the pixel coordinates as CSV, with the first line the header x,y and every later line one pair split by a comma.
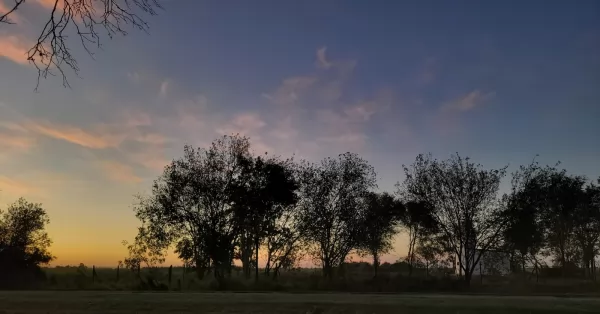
x,y
86,19
4,16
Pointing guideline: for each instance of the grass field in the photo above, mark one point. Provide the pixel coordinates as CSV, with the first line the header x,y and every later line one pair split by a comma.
x,y
55,302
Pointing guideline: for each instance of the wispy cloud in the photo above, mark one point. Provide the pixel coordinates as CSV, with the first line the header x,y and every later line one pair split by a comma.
x,y
96,140
119,172
134,77
15,187
324,118
14,17
288,93
244,123
14,48
164,88
48,4
469,101
15,141
322,61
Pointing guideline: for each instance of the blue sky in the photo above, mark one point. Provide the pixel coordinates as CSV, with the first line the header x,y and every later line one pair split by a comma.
x,y
498,81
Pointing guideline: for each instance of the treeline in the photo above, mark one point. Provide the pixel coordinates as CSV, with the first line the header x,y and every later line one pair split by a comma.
x,y
223,203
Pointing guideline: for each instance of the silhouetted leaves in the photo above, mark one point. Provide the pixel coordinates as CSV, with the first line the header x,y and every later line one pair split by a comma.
x,y
463,198
378,226
333,201
24,243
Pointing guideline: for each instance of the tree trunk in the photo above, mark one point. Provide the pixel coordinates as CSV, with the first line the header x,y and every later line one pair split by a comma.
x,y
375,263
327,270
256,245
199,267
468,275
246,255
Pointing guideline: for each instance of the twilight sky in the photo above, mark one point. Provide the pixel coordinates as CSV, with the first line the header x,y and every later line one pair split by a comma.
x,y
497,81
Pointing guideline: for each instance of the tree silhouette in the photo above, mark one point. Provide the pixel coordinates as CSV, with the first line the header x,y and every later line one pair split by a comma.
x,y
524,234
463,197
419,221
193,203
587,228
266,187
83,19
381,217
562,194
332,206
24,242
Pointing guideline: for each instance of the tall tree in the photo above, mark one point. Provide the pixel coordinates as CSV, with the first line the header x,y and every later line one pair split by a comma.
x,y
267,187
332,206
419,222
383,212
587,228
284,242
24,242
463,197
192,203
523,206
563,194
82,19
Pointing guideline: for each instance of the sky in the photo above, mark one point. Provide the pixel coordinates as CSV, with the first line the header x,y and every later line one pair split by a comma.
x,y
496,81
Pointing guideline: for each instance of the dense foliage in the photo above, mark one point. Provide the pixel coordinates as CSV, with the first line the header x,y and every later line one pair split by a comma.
x,y
222,204
24,243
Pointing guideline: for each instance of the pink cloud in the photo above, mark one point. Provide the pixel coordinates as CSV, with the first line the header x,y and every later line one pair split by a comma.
x,y
245,123
13,17
16,187
119,172
362,111
48,4
469,101
164,88
15,141
75,135
14,48
284,130
288,93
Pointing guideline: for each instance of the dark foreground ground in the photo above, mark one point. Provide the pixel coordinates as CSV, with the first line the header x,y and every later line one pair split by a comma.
x,y
48,302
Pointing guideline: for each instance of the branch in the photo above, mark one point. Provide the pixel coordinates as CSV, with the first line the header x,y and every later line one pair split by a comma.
x,y
82,17
4,17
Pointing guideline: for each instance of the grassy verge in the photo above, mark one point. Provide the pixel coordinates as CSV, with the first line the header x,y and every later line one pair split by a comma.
x,y
55,302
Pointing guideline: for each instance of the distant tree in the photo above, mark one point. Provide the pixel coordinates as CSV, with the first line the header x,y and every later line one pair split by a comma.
x,y
332,206
284,241
419,222
266,188
431,253
587,228
563,195
144,251
24,242
523,207
465,208
383,212
86,20
193,204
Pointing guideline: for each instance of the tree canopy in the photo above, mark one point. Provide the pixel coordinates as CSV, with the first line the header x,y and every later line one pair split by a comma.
x,y
24,242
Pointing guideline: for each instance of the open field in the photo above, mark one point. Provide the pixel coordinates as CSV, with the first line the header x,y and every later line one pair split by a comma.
x,y
58,302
